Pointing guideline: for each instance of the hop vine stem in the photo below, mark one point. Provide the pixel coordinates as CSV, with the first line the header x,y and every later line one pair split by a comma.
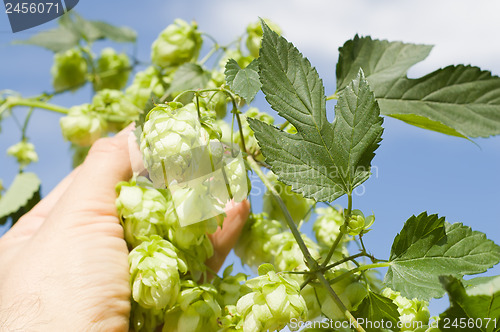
x,y
310,261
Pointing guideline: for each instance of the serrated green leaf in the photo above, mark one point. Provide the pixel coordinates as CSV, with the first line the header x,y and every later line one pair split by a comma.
x,y
376,308
57,40
21,196
189,76
474,308
429,247
323,160
456,99
244,82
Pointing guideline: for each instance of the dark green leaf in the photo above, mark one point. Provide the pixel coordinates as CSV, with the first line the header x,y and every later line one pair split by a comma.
x,y
382,61
57,40
461,97
461,101
428,247
475,308
21,196
189,76
323,160
376,308
244,82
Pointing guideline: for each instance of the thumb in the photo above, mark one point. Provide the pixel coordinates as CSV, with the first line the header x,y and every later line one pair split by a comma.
x,y
91,195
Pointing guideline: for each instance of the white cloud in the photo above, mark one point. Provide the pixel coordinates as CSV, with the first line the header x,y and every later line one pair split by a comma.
x,y
462,31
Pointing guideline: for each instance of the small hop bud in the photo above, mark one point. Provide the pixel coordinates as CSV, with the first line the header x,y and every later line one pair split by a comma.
x,y
357,223
255,33
231,321
253,246
297,205
145,83
24,152
112,70
196,310
327,225
82,125
273,302
116,107
154,268
180,42
69,70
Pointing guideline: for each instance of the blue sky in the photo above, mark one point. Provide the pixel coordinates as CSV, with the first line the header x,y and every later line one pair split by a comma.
x,y
417,170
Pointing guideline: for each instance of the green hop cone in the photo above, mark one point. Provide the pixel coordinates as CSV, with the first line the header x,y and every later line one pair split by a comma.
x,y
180,42
253,246
24,152
143,211
117,108
251,143
170,136
230,287
196,310
255,33
69,70
145,320
297,205
155,269
112,70
358,224
287,254
82,125
145,83
273,302
413,313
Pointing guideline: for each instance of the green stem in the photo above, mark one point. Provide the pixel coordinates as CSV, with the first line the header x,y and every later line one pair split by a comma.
x,y
283,125
341,234
338,301
16,101
342,261
25,126
359,269
310,261
209,54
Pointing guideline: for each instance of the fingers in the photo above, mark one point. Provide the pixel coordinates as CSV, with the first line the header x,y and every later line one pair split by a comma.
x,y
225,238
91,195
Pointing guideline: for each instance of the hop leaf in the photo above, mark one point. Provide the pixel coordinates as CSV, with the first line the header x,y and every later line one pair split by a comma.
x,y
154,269
180,42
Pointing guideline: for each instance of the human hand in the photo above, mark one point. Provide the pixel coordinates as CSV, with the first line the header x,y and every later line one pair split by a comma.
x,y
64,264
